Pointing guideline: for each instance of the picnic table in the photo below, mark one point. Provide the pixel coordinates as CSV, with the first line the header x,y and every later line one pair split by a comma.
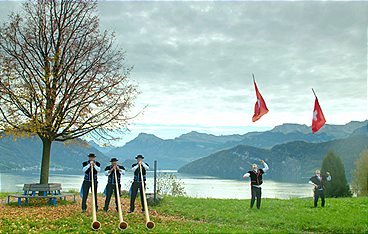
x,y
34,191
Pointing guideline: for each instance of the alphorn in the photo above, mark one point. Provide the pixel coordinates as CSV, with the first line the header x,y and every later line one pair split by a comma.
x,y
122,224
95,225
149,224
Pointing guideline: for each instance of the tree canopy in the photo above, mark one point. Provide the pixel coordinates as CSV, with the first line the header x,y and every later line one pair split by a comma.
x,y
60,76
360,180
338,186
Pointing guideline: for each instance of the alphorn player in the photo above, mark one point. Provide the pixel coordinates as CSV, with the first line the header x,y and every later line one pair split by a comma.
x,y
137,182
87,182
111,187
256,181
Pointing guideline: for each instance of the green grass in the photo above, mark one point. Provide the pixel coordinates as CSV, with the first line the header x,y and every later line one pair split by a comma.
x,y
343,215
189,215
4,195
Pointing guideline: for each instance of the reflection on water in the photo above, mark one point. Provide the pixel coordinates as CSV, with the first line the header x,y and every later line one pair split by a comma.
x,y
194,186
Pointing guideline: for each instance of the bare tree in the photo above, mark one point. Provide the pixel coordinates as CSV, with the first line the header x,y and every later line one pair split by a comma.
x,y
60,76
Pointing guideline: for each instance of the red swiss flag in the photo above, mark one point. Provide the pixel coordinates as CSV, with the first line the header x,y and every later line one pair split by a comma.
x,y
318,117
260,107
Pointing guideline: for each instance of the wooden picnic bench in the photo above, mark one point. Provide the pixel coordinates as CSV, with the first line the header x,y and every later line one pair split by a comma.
x,y
51,191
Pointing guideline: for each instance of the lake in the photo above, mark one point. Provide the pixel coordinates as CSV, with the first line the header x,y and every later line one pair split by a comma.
x,y
195,186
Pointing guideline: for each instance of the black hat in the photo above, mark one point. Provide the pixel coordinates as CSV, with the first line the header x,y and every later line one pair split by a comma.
x,y
139,156
92,155
114,160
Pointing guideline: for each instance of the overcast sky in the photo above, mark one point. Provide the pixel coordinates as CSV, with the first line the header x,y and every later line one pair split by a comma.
x,y
193,62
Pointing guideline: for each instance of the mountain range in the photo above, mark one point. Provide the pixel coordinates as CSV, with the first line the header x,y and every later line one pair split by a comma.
x,y
174,153
170,153
288,162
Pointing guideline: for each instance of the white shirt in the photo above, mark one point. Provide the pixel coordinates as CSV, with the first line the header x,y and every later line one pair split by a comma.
x,y
246,175
89,165
121,171
143,165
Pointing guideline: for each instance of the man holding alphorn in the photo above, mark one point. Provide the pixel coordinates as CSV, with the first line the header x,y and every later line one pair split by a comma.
x,y
87,182
137,182
111,186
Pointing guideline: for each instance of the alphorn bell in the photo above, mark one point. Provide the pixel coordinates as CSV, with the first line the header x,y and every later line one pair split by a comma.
x,y
95,225
122,224
149,224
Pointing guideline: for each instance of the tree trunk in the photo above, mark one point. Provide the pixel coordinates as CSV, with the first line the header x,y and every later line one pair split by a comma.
x,y
45,163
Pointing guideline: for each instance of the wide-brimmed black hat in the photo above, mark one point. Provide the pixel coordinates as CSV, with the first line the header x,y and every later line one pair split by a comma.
x,y
139,156
92,155
114,160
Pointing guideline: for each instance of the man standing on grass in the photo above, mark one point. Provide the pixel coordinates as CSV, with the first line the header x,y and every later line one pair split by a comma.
x,y
87,182
111,185
256,181
319,186
137,182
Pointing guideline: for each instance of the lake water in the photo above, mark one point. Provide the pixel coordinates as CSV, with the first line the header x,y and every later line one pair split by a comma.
x,y
195,186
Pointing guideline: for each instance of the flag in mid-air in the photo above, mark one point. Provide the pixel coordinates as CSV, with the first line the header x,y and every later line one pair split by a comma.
x,y
260,107
318,117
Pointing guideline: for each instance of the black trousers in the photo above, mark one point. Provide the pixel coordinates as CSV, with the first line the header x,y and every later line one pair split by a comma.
x,y
256,193
135,187
86,187
110,189
319,194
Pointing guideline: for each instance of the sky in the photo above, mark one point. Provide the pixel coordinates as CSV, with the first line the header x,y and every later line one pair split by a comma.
x,y
193,62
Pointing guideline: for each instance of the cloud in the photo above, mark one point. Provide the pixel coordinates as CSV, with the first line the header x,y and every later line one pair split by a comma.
x,y
193,60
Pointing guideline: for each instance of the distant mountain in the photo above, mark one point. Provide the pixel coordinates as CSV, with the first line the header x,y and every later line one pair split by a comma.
x,y
337,131
290,162
361,131
26,153
290,128
271,138
103,149
174,153
208,138
341,131
296,132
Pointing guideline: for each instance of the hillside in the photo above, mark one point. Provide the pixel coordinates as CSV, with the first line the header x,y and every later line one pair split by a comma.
x,y
289,162
172,153
25,153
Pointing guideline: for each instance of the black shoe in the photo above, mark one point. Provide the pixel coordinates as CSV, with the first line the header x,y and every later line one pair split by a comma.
x,y
130,212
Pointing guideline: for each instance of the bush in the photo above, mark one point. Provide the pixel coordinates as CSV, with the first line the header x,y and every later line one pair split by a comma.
x,y
169,184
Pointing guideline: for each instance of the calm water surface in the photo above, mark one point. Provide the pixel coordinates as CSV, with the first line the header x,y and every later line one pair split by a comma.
x,y
195,186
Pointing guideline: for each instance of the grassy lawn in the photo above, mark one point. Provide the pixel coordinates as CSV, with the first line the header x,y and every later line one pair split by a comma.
x,y
184,215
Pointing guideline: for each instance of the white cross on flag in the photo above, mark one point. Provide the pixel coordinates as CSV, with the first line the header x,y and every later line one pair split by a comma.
x,y
318,117
260,107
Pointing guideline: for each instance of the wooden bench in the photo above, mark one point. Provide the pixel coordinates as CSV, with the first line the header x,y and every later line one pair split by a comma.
x,y
51,191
